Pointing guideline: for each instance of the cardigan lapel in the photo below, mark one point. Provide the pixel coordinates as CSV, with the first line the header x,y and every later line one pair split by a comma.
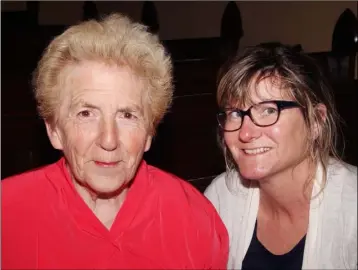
x,y
314,233
248,226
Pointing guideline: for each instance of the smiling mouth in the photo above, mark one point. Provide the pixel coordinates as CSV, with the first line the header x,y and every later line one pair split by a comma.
x,y
106,164
256,151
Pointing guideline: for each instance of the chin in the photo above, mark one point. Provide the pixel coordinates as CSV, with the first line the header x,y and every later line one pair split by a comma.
x,y
107,188
252,174
254,168
107,192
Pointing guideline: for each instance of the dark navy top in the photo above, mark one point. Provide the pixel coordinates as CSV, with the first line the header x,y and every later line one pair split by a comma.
x,y
258,257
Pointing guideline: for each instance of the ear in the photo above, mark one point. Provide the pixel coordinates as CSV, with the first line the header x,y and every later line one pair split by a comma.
x,y
54,135
321,117
148,143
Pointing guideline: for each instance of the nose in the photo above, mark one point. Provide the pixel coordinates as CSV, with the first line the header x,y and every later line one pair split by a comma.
x,y
248,131
108,138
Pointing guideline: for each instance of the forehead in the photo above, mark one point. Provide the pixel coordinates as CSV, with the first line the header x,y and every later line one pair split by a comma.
x,y
100,83
268,89
262,89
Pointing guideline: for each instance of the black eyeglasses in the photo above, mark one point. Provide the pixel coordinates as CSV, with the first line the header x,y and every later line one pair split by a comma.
x,y
262,114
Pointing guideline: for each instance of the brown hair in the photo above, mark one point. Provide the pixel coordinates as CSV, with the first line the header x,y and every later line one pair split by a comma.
x,y
294,71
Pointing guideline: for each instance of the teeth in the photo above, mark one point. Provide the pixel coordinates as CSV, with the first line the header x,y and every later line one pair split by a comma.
x,y
256,151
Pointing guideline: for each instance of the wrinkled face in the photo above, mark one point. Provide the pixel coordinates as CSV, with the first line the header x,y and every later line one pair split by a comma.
x,y
262,152
102,127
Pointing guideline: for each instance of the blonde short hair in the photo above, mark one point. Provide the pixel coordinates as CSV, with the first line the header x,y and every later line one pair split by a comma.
x,y
113,40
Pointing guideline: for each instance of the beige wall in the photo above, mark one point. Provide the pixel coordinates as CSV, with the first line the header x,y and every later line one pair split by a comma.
x,y
310,24
190,19
51,12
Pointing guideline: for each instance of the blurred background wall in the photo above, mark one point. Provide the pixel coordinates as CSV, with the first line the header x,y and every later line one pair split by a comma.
x,y
199,35
309,23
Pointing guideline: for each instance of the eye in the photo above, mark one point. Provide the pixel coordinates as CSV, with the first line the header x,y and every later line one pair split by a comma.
x,y
234,114
84,114
270,110
265,109
128,115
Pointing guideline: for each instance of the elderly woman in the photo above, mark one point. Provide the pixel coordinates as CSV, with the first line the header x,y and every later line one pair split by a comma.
x,y
102,87
287,200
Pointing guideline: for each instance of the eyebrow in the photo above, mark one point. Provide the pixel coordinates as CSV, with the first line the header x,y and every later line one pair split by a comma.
x,y
131,108
82,103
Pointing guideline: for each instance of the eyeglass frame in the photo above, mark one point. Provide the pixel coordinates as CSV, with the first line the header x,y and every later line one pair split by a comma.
x,y
281,105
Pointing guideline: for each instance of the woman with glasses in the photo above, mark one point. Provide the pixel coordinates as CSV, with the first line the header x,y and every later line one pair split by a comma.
x,y
286,198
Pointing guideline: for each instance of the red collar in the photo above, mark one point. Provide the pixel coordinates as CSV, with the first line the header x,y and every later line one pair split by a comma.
x,y
70,201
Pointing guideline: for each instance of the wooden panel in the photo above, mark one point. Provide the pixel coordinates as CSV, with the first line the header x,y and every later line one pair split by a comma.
x,y
17,138
24,144
16,95
186,143
346,96
194,49
187,139
195,77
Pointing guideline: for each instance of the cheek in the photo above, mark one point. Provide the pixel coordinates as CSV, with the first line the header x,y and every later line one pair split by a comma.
x,y
276,134
230,139
290,137
232,142
79,137
134,141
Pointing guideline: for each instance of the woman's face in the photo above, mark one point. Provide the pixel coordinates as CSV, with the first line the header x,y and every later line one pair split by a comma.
x,y
102,125
262,152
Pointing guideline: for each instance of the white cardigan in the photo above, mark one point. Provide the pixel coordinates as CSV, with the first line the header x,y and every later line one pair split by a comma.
x,y
331,241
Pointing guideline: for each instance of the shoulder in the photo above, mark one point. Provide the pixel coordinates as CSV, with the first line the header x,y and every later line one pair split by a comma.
x,y
178,191
341,188
340,168
226,189
22,189
340,194
341,208
24,199
342,176
191,206
190,217
218,186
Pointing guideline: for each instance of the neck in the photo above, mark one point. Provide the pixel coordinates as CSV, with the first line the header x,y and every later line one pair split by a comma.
x,y
288,194
105,208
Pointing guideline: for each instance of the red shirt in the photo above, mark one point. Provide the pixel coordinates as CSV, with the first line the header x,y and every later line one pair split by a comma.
x,y
163,223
